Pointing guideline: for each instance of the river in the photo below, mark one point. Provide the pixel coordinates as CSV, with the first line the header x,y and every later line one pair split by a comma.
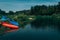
x,y
29,33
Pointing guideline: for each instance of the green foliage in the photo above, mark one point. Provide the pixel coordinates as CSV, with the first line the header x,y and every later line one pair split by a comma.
x,y
46,20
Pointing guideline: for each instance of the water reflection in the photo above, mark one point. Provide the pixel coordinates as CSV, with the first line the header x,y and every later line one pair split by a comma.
x,y
29,33
50,27
12,30
3,31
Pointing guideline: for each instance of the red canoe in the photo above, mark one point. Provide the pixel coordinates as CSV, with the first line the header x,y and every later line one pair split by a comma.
x,y
8,25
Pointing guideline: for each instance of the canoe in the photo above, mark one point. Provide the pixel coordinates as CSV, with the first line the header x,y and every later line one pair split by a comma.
x,y
8,25
14,23
4,18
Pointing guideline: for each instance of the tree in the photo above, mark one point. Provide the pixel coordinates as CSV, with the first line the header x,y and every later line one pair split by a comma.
x,y
2,12
58,7
11,13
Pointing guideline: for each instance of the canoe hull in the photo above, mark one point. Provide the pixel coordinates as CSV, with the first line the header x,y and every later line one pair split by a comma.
x,y
5,24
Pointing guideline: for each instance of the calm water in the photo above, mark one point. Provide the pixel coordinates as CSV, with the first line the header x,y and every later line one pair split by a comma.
x,y
29,33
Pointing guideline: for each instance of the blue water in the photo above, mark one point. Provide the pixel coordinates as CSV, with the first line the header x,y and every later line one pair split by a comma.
x,y
29,33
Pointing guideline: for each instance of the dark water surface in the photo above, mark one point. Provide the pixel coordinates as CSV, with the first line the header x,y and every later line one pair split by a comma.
x,y
29,33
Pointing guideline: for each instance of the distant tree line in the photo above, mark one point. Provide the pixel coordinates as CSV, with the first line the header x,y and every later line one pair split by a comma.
x,y
37,10
45,10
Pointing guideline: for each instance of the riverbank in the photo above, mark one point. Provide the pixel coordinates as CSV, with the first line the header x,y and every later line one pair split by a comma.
x,y
39,20
36,21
